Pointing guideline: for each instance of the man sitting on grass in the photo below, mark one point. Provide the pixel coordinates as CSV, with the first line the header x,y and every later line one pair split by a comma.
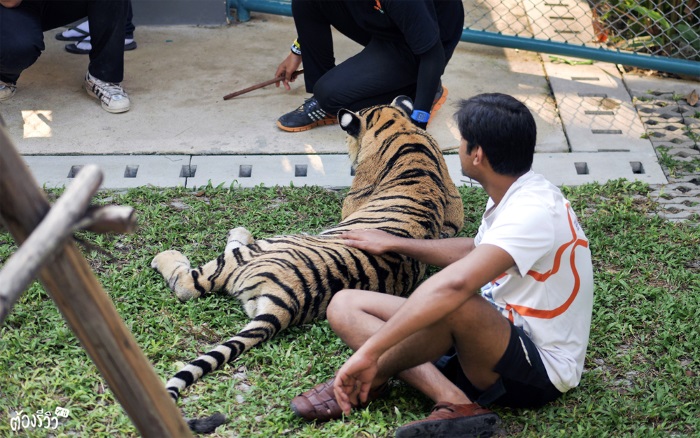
x,y
506,322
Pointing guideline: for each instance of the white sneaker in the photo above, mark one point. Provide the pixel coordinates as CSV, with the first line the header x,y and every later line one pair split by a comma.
x,y
113,97
7,90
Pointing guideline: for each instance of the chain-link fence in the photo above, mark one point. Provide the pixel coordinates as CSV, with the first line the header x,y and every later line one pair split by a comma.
x,y
657,34
668,28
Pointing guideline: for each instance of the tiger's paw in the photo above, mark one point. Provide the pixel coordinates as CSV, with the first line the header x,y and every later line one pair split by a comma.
x,y
172,265
238,237
167,262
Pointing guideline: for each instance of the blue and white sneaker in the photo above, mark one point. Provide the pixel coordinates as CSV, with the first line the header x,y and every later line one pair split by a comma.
x,y
307,116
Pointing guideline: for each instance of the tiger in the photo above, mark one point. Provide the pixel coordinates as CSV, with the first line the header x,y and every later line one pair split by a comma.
x,y
401,185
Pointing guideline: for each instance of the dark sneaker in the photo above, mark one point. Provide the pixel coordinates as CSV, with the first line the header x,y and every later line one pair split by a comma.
x,y
450,420
318,403
307,116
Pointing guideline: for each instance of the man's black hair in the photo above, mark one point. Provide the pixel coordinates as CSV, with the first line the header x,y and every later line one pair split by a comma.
x,y
503,127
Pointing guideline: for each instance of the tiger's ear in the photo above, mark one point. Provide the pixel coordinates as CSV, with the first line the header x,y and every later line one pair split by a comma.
x,y
404,103
349,122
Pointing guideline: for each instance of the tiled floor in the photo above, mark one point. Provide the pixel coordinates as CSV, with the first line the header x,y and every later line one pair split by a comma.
x,y
673,126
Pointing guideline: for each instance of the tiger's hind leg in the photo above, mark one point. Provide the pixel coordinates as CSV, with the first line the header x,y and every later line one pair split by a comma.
x,y
238,237
188,283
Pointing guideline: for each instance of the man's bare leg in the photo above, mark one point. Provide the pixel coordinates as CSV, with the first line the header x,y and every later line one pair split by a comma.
x,y
478,332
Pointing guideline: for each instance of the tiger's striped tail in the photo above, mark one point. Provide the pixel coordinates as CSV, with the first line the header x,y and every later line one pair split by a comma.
x,y
257,331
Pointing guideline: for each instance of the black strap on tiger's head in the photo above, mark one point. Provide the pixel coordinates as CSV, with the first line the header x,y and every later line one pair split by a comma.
x,y
352,125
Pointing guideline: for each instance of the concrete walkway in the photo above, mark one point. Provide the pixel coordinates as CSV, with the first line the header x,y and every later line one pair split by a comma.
x,y
180,131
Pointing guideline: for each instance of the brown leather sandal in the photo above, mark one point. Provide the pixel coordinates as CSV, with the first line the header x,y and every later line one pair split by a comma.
x,y
319,404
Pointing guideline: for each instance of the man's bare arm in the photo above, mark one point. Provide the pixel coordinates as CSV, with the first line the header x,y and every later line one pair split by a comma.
x,y
436,252
10,3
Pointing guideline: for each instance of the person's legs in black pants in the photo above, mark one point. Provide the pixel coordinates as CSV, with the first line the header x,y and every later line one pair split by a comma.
x,y
22,40
379,73
80,34
129,28
313,20
106,70
376,75
107,30
83,46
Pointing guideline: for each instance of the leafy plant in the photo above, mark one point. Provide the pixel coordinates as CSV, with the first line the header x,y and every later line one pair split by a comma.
x,y
665,27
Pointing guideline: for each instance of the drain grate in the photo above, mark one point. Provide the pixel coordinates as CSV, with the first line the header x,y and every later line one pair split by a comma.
x,y
245,171
188,171
131,171
606,131
333,171
581,168
74,171
300,170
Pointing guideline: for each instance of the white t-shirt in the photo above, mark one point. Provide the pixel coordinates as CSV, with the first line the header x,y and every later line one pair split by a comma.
x,y
549,291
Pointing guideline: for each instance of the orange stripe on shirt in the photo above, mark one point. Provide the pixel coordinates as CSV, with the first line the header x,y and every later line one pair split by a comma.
x,y
495,280
557,258
548,314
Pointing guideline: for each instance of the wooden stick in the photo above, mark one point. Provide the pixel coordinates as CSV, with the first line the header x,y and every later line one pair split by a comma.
x,y
261,84
118,219
87,309
21,268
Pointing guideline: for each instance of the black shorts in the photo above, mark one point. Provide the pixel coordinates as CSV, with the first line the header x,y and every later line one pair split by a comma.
x,y
523,383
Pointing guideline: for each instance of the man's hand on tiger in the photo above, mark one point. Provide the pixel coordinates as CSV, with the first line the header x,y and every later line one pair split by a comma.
x,y
371,240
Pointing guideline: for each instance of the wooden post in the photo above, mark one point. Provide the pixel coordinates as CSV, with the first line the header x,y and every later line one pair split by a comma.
x,y
87,308
21,268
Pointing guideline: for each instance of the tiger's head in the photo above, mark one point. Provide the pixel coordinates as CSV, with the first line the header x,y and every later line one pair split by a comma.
x,y
365,127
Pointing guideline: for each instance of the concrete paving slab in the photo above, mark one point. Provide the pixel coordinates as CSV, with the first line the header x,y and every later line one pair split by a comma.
x,y
180,131
596,109
641,84
179,74
579,168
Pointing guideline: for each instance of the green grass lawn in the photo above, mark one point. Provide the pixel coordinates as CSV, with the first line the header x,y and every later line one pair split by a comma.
x,y
641,376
